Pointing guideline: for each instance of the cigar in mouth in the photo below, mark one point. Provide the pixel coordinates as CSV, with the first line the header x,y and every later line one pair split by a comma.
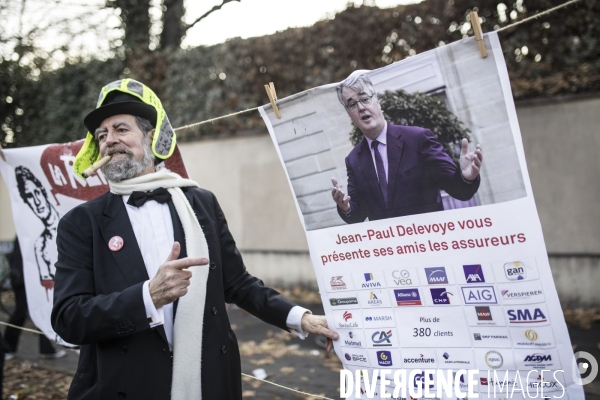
x,y
95,167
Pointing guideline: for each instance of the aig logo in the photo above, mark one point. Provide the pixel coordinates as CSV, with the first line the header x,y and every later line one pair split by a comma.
x,y
402,278
479,295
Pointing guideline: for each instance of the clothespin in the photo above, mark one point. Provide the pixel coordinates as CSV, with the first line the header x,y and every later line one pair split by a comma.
x,y
270,88
2,154
478,33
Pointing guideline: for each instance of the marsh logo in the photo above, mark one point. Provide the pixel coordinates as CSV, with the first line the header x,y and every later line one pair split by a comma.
x,y
440,296
473,273
479,295
382,339
343,302
337,283
436,276
494,359
515,271
525,316
407,297
402,278
384,358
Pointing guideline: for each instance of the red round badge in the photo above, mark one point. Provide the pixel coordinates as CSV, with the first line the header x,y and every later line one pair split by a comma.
x,y
115,243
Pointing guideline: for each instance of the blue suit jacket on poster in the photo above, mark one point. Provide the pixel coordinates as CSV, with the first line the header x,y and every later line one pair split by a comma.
x,y
418,168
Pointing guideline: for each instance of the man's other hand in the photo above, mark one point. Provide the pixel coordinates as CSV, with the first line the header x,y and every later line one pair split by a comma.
x,y
172,278
342,201
470,163
317,324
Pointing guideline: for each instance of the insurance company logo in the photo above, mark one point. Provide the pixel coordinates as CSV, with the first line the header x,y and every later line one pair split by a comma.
x,y
407,297
419,360
343,302
440,296
453,359
369,281
356,357
337,283
436,276
347,315
477,336
494,359
538,360
374,300
531,335
384,358
483,381
540,383
483,313
473,273
479,294
515,271
402,278
525,316
347,357
382,338
419,380
524,294
352,342
378,318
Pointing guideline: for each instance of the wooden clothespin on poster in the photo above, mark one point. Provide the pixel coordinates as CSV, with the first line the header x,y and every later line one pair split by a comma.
x,y
478,33
2,154
270,88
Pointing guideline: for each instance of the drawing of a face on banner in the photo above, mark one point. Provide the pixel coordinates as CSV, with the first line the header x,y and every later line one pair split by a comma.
x,y
389,143
43,187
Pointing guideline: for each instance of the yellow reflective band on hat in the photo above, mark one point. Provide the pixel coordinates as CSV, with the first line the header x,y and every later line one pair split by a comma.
x,y
163,142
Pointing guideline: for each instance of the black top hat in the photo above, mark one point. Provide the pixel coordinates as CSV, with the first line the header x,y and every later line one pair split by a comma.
x,y
116,103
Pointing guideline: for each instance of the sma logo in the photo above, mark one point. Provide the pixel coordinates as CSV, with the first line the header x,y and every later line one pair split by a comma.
x,y
520,316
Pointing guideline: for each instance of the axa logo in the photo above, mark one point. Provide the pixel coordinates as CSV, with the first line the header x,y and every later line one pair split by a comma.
x,y
436,276
515,271
382,338
347,315
473,273
538,358
525,316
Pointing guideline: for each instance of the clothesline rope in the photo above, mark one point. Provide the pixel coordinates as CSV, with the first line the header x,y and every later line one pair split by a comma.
x,y
249,376
195,124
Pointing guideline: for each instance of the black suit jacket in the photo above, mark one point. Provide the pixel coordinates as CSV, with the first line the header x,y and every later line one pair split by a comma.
x,y
418,168
98,304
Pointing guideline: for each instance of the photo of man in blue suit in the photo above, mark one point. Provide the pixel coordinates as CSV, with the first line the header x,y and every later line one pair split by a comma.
x,y
397,170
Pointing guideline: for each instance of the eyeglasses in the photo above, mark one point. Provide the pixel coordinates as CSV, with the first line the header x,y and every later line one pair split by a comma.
x,y
363,100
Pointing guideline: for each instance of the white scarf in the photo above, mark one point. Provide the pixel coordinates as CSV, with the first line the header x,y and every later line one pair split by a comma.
x,y
187,330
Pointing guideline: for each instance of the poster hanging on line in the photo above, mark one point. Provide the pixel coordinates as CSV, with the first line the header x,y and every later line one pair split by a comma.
x,y
442,263
43,186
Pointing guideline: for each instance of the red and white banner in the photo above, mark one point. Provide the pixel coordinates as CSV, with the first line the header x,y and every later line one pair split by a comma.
x,y
43,187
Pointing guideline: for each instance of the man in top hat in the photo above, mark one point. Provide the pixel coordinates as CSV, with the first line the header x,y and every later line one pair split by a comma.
x,y
144,271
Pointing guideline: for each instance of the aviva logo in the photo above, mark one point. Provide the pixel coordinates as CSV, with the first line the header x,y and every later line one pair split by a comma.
x,y
370,282
368,277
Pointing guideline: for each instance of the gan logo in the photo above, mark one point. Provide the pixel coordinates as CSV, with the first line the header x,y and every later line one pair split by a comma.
x,y
382,338
479,295
525,316
493,359
515,271
402,278
436,276
337,283
473,273
483,313
440,296
369,282
407,297
347,316
343,302
384,358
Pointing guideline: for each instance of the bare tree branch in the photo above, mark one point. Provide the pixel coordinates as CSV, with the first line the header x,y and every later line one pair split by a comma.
x,y
206,14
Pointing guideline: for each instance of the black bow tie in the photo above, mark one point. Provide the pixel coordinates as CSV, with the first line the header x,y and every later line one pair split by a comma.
x,y
138,199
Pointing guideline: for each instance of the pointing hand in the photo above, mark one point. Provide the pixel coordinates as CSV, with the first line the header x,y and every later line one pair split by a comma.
x,y
342,201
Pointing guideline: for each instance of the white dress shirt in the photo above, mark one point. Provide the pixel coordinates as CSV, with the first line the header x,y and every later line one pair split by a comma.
x,y
153,229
